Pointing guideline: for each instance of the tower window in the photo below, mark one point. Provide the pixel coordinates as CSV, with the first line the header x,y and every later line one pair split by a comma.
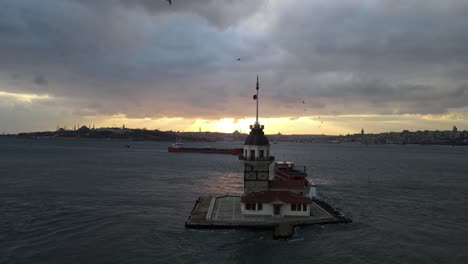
x,y
245,152
250,206
261,153
260,207
252,153
293,207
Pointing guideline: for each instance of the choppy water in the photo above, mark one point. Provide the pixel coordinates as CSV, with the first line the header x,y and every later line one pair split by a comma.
x,y
67,201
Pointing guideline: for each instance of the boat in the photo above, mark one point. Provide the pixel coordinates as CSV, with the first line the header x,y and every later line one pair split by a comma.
x,y
178,147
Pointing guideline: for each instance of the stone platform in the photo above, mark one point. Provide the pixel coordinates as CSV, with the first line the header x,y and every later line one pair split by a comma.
x,y
225,212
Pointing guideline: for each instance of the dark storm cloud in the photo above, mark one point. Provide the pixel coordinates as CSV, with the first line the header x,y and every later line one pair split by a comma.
x,y
406,57
221,13
149,58
360,35
106,43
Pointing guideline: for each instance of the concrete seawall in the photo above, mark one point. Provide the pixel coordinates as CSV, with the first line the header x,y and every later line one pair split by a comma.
x,y
223,212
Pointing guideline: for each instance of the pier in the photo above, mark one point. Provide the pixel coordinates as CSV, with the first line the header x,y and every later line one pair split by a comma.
x,y
213,212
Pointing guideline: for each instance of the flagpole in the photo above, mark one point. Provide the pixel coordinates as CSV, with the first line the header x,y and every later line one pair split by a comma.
x,y
256,120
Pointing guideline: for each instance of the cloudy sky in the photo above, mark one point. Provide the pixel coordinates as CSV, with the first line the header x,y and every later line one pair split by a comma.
x,y
379,65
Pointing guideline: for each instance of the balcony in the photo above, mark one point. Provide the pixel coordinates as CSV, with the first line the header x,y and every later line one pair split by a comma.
x,y
270,158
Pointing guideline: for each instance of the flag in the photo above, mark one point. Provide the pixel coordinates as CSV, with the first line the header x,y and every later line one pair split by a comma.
x,y
255,97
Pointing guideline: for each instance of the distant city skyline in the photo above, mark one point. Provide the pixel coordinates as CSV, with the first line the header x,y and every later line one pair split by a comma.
x,y
214,128
325,67
453,137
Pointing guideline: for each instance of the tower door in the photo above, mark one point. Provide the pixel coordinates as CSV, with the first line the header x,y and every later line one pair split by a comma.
x,y
277,209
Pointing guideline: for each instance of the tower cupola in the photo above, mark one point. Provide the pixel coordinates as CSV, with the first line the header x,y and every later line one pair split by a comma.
x,y
256,136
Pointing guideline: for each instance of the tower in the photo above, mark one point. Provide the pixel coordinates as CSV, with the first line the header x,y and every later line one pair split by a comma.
x,y
454,131
256,157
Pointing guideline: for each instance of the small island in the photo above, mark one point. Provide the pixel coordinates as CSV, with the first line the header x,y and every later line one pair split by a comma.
x,y
286,200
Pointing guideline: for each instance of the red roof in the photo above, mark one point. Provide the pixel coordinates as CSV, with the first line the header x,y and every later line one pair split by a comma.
x,y
287,184
275,196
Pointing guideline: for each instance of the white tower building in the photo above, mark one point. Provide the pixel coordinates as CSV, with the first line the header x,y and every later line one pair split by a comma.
x,y
256,158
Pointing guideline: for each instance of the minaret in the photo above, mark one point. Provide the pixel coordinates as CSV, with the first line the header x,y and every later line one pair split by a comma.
x,y
256,158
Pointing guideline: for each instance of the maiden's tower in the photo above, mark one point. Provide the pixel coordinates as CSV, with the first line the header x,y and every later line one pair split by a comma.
x,y
281,199
278,196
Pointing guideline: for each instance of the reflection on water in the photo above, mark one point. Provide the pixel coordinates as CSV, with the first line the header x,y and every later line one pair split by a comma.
x,y
226,183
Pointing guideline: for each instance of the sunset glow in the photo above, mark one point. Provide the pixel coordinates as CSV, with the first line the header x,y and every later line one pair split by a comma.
x,y
329,125
24,97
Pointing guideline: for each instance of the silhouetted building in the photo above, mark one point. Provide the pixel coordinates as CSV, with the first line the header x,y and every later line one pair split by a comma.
x,y
83,130
454,131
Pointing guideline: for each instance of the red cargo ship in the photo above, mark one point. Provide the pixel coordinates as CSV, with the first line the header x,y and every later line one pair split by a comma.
x,y
178,147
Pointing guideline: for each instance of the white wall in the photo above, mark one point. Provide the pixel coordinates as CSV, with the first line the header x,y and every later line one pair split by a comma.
x,y
313,192
266,150
286,210
268,210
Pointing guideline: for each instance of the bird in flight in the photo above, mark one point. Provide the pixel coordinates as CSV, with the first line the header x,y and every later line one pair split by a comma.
x,y
170,2
238,59
303,102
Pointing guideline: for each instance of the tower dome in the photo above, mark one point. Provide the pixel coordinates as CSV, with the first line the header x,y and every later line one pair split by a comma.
x,y
256,136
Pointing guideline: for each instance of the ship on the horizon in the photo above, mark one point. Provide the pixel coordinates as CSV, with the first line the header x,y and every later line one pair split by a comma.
x,y
179,147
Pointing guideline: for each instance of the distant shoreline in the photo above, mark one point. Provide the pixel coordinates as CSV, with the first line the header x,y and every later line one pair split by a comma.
x,y
199,140
447,137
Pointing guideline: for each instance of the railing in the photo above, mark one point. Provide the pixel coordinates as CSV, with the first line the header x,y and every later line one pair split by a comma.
x,y
292,169
271,158
300,168
210,209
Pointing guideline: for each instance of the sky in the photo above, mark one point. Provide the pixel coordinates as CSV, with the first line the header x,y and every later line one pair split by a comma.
x,y
325,66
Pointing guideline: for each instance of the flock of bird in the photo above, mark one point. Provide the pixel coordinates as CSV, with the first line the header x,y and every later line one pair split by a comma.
x,y
238,59
318,117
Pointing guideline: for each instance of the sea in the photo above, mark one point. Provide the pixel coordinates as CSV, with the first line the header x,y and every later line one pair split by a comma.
x,y
90,201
